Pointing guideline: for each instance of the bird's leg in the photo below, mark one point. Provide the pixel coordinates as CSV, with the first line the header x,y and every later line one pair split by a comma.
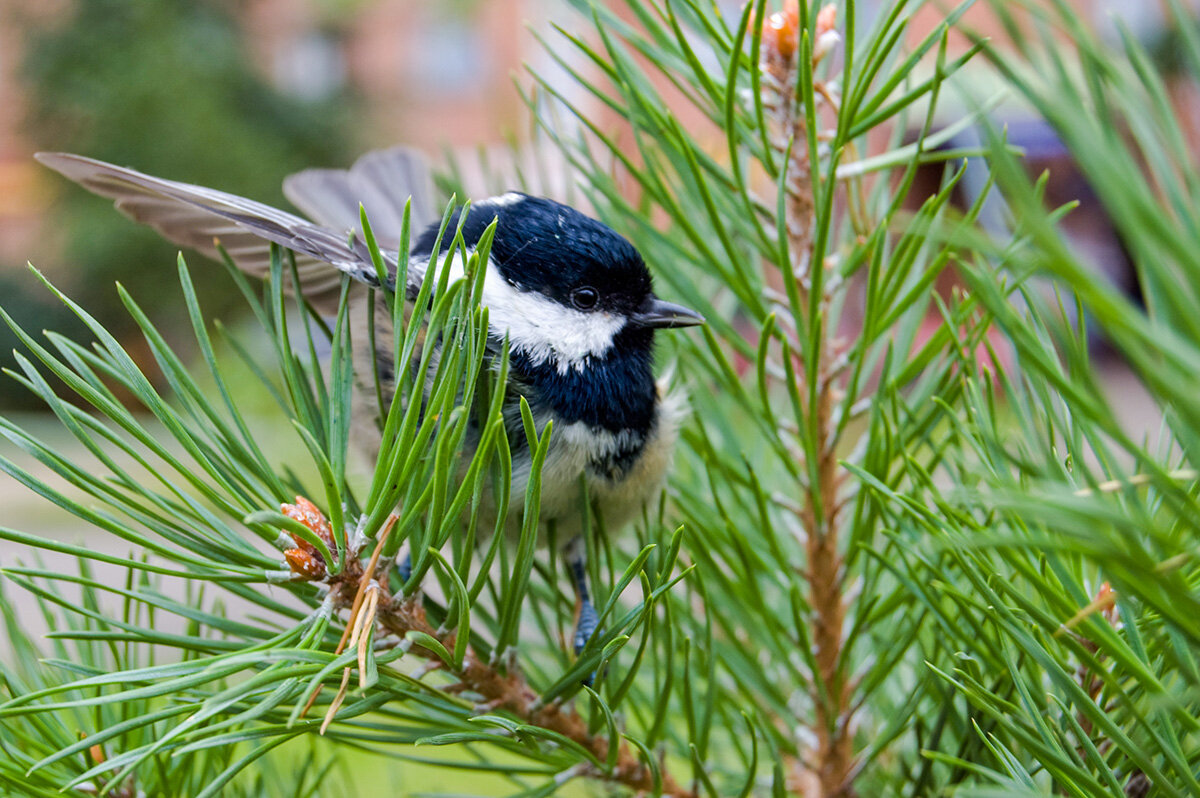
x,y
586,618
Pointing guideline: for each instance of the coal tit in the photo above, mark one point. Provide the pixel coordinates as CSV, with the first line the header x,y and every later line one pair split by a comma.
x,y
571,297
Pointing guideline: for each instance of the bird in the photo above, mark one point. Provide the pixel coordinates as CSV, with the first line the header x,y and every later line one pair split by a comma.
x,y
570,298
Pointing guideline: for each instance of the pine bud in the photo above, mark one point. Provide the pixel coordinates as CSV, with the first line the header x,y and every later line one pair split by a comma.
x,y
305,564
827,35
305,560
781,33
307,513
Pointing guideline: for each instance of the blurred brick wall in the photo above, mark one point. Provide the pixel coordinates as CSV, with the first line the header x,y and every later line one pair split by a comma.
x,y
429,73
23,197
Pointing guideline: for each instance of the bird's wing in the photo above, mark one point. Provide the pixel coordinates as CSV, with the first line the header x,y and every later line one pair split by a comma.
x,y
382,181
200,218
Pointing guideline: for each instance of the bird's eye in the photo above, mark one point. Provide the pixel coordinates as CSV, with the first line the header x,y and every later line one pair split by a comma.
x,y
585,298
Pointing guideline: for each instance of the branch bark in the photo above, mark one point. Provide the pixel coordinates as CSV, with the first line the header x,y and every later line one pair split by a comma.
x,y
828,770
500,691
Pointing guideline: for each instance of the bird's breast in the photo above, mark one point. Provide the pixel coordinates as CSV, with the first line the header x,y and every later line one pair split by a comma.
x,y
589,464
621,472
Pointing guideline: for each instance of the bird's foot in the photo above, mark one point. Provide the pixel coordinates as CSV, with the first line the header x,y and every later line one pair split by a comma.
x,y
586,622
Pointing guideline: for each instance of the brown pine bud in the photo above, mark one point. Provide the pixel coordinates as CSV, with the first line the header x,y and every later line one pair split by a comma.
x,y
307,513
781,33
1106,602
305,564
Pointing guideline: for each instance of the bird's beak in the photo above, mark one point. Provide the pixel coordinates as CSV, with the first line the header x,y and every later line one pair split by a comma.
x,y
655,312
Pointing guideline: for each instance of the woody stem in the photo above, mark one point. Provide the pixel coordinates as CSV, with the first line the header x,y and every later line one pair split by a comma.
x,y
512,693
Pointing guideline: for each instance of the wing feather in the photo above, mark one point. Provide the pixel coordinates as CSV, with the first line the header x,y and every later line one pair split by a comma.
x,y
382,180
199,218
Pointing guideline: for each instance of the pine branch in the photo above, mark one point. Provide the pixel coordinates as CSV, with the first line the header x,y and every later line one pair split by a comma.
x,y
830,765
498,689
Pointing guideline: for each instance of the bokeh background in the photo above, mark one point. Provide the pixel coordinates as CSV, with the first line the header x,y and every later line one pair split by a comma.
x,y
235,94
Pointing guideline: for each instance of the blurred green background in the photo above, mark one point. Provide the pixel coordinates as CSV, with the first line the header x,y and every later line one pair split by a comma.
x,y
168,86
233,94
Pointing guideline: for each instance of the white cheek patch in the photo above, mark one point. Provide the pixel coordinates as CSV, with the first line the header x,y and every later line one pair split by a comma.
x,y
545,330
536,325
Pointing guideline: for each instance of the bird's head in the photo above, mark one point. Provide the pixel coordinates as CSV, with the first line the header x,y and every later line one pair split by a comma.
x,y
566,289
